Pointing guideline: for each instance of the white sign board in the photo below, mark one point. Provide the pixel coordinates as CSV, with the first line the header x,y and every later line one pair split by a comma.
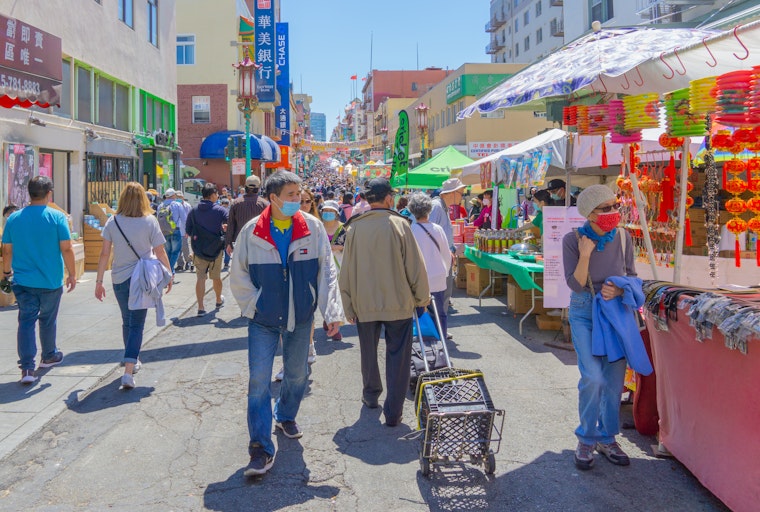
x,y
558,221
238,166
478,150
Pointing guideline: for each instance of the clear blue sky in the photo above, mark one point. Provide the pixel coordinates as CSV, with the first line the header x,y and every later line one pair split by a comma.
x,y
330,41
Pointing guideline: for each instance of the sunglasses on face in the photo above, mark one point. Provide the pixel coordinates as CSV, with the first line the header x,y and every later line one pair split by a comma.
x,y
608,208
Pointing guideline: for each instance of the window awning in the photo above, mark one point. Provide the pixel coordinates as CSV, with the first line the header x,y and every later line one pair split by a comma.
x,y
262,147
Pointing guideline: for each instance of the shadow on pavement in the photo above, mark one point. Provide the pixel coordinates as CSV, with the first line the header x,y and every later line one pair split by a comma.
x,y
373,443
14,391
286,485
107,396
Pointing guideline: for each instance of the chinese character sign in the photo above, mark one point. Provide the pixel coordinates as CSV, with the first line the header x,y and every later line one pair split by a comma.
x,y
264,48
282,112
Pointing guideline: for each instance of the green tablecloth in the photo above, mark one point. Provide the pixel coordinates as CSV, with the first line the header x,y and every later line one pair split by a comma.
x,y
506,264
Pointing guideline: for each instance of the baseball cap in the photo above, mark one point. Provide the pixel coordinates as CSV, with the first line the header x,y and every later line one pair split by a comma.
x,y
170,192
331,204
253,181
377,189
555,184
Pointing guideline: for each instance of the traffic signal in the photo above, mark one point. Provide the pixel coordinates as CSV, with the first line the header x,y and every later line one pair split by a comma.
x,y
228,149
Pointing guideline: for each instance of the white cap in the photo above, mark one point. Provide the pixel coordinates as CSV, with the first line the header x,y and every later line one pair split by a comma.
x,y
170,192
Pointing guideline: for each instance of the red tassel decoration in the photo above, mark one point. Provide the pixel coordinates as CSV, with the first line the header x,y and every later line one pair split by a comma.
x,y
687,232
604,154
757,253
737,253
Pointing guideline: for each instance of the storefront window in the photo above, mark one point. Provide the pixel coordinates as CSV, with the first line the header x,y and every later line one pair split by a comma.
x,y
107,176
84,95
105,102
19,161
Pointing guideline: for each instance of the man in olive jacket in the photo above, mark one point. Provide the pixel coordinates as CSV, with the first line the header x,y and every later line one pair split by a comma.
x,y
382,280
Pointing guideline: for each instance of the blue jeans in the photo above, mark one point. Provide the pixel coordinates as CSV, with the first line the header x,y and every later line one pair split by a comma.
x,y
262,346
36,304
601,382
173,248
132,322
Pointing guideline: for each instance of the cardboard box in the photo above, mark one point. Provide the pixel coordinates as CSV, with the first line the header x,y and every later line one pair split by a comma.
x,y
461,269
519,301
548,323
478,279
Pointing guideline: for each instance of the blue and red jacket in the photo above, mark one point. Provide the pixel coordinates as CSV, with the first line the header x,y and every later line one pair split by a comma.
x,y
274,295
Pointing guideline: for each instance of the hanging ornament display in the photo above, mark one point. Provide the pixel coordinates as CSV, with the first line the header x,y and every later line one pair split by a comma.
x,y
702,95
582,124
598,119
754,93
570,116
753,204
712,183
679,120
641,111
736,186
618,133
733,98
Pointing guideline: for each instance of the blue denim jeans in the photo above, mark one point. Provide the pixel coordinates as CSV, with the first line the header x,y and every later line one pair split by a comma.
x,y
36,304
262,346
173,248
132,322
601,382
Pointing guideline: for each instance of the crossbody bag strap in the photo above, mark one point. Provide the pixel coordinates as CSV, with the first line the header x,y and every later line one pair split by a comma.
x,y
431,236
125,237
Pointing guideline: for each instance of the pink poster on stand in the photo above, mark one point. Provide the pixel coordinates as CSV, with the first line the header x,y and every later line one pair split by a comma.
x,y
46,165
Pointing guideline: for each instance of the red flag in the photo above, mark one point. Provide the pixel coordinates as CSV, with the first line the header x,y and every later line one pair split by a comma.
x,y
364,79
353,77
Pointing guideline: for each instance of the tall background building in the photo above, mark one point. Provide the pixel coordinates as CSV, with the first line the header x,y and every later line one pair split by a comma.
x,y
319,126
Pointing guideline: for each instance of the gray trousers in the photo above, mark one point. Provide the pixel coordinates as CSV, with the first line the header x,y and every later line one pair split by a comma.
x,y
398,358
184,256
449,291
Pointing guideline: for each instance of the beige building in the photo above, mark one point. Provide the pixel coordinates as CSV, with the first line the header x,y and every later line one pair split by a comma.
x,y
116,118
476,136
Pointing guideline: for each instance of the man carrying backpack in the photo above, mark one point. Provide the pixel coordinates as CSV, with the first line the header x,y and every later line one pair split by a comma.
x,y
171,219
206,224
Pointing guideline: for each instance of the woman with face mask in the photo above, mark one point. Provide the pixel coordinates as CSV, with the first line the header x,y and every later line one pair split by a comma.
x,y
484,219
540,199
592,255
337,236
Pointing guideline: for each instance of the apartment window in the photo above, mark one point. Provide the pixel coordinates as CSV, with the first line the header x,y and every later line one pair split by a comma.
x,y
539,35
201,109
601,10
121,107
526,18
84,95
64,110
153,22
105,102
538,8
526,43
414,86
186,49
125,12
517,25
517,50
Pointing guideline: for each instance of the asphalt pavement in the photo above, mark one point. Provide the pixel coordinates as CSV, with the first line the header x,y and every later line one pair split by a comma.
x,y
75,441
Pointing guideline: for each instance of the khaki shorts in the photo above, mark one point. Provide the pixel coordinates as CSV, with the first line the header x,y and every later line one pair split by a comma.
x,y
213,268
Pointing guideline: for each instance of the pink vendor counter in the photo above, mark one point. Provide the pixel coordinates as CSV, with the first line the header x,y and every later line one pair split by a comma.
x,y
708,398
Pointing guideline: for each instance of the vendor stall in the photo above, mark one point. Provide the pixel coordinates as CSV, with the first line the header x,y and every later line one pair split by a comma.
x,y
433,172
702,83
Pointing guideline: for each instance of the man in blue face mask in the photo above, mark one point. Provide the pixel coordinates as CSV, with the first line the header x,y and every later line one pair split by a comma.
x,y
282,269
558,190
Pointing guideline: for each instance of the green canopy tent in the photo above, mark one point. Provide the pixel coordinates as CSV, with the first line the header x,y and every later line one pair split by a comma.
x,y
434,172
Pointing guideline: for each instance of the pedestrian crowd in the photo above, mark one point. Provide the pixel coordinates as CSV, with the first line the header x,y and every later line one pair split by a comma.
x,y
294,246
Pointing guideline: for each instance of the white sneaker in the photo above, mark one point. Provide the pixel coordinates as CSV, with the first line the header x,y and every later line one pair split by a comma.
x,y
312,358
127,381
280,375
137,367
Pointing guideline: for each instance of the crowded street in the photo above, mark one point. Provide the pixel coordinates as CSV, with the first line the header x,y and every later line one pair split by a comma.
x,y
173,442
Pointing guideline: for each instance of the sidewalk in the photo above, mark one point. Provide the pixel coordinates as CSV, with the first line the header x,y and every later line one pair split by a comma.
x,y
89,335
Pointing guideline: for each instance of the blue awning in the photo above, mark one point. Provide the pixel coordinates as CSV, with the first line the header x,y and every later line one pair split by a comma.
x,y
262,147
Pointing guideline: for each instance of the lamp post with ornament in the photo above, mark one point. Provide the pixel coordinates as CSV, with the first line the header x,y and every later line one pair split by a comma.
x,y
296,145
247,101
422,127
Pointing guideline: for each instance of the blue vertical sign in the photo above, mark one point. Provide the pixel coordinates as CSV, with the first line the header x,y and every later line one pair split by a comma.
x,y
264,48
282,111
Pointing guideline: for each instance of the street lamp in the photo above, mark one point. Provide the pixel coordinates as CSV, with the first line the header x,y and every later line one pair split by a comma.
x,y
384,136
422,126
296,144
247,101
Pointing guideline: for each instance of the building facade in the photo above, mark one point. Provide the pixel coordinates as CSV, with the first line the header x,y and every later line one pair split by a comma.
x,y
318,126
114,119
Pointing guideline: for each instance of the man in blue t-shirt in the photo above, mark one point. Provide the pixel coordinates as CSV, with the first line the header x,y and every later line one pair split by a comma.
x,y
36,244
